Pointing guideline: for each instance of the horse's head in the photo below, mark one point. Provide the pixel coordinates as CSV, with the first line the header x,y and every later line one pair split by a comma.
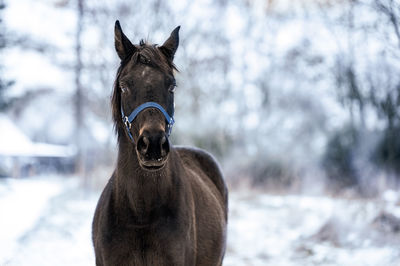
x,y
143,97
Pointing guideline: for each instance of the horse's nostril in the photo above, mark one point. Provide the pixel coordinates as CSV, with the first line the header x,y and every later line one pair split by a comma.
x,y
146,140
143,144
164,146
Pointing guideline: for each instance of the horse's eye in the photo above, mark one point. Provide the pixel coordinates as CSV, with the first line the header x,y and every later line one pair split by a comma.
x,y
171,88
124,89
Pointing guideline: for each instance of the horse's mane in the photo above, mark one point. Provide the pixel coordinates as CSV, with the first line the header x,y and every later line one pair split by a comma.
x,y
144,53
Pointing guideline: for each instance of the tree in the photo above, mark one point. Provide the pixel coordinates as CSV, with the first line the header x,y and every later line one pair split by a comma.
x,y
386,98
370,78
4,84
78,98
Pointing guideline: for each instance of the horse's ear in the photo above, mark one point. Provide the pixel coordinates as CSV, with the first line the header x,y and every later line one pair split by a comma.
x,y
123,46
171,44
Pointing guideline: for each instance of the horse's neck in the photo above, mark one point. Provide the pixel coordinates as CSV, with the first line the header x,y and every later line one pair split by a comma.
x,y
143,191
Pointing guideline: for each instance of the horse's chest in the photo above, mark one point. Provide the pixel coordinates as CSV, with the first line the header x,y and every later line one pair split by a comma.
x,y
164,243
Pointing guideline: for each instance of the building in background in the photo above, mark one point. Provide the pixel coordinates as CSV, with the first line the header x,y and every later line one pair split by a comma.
x,y
19,156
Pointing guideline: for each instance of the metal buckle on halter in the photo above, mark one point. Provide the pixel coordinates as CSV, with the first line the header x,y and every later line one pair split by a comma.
x,y
127,123
169,129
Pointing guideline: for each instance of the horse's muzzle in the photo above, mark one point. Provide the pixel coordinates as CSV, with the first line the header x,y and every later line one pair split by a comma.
x,y
152,149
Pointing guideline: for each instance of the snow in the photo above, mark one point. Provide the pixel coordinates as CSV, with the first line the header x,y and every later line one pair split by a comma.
x,y
12,140
48,222
20,203
36,71
14,143
45,24
283,230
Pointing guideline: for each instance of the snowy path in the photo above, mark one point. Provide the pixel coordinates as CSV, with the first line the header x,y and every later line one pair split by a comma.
x,y
48,222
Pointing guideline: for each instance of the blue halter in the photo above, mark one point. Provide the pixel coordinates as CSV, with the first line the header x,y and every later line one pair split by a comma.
x,y
127,120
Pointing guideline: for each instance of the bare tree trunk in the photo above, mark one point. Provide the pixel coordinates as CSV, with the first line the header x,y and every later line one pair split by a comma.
x,y
389,9
80,160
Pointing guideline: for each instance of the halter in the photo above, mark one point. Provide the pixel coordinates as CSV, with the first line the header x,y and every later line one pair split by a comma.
x,y
127,120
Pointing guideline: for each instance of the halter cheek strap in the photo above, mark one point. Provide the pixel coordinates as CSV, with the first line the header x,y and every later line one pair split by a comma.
x,y
129,119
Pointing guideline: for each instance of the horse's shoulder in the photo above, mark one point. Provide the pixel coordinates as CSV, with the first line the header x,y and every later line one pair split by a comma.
x,y
207,163
199,156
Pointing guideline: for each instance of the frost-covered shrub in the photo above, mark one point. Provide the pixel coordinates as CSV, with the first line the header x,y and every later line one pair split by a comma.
x,y
272,173
387,153
338,158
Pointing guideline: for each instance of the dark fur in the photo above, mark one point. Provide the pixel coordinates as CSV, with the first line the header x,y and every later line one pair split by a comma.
x,y
176,215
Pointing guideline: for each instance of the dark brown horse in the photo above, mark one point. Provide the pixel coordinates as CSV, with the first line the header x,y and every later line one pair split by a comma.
x,y
163,205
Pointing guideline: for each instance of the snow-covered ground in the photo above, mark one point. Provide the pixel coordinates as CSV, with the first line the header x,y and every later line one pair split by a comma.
x,y
47,221
303,230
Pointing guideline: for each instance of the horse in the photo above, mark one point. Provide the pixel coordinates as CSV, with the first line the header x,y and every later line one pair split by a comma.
x,y
163,205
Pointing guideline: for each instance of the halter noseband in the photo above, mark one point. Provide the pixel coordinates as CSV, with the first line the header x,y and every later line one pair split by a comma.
x,y
127,120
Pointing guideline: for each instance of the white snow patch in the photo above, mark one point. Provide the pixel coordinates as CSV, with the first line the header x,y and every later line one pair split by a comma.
x,y
21,204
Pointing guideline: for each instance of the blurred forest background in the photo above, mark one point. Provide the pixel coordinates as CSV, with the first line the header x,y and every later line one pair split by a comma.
x,y
288,95
299,100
